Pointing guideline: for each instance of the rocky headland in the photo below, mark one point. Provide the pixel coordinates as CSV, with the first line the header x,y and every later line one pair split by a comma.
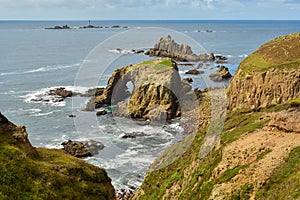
x,y
257,153
156,93
37,173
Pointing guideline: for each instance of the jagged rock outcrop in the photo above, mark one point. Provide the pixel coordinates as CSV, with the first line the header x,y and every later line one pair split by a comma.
x,y
167,47
37,173
18,135
156,91
221,74
270,75
61,92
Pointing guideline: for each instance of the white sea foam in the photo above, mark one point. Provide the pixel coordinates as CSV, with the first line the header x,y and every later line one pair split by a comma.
x,y
42,96
243,56
42,69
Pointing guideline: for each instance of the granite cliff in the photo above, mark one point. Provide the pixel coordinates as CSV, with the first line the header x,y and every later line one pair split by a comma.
x,y
270,75
155,93
257,154
27,172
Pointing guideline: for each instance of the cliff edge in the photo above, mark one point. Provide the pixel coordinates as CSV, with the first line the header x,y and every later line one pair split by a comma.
x,y
38,173
270,75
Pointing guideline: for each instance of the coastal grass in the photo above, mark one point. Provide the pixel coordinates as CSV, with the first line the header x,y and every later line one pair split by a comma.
x,y
284,182
50,175
280,53
238,123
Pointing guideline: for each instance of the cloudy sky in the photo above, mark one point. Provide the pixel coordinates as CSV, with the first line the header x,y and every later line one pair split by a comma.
x,y
149,9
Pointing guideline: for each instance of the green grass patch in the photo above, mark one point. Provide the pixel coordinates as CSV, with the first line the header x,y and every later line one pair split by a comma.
x,y
262,155
243,193
238,124
284,183
230,173
52,175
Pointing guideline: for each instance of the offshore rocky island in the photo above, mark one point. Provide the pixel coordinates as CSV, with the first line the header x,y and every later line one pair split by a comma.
x,y
255,157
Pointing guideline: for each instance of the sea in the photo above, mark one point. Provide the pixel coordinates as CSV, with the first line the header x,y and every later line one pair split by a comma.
x,y
34,60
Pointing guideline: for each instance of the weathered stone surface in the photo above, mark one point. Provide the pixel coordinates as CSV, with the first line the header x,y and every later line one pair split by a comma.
x,y
270,75
19,135
156,90
221,74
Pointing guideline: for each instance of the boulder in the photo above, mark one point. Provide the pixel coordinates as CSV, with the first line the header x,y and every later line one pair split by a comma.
x,y
82,149
221,74
61,92
188,80
101,112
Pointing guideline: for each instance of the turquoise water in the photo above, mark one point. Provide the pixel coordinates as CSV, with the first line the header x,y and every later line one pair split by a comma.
x,y
33,59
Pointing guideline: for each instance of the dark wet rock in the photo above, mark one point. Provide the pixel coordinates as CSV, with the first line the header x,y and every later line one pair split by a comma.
x,y
93,92
115,26
91,26
185,64
221,59
82,149
61,92
132,135
101,112
59,27
221,74
188,80
72,116
194,72
77,149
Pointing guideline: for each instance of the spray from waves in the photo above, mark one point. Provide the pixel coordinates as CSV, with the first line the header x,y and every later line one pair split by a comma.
x,y
42,69
43,96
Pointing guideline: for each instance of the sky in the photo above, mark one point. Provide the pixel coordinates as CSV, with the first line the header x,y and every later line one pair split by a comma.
x,y
150,9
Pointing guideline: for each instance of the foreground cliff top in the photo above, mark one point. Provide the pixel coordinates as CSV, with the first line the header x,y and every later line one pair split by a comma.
x,y
270,75
282,52
38,173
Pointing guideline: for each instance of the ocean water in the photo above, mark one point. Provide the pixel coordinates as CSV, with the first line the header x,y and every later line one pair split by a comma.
x,y
34,60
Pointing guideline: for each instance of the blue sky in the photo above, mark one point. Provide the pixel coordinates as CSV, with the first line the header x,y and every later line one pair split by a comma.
x,y
149,9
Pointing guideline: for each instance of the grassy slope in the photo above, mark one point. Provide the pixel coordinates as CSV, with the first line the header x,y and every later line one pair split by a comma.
x,y
50,175
282,53
158,182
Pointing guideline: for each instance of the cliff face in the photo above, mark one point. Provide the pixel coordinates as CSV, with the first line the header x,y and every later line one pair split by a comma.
x,y
257,154
37,173
156,89
270,75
